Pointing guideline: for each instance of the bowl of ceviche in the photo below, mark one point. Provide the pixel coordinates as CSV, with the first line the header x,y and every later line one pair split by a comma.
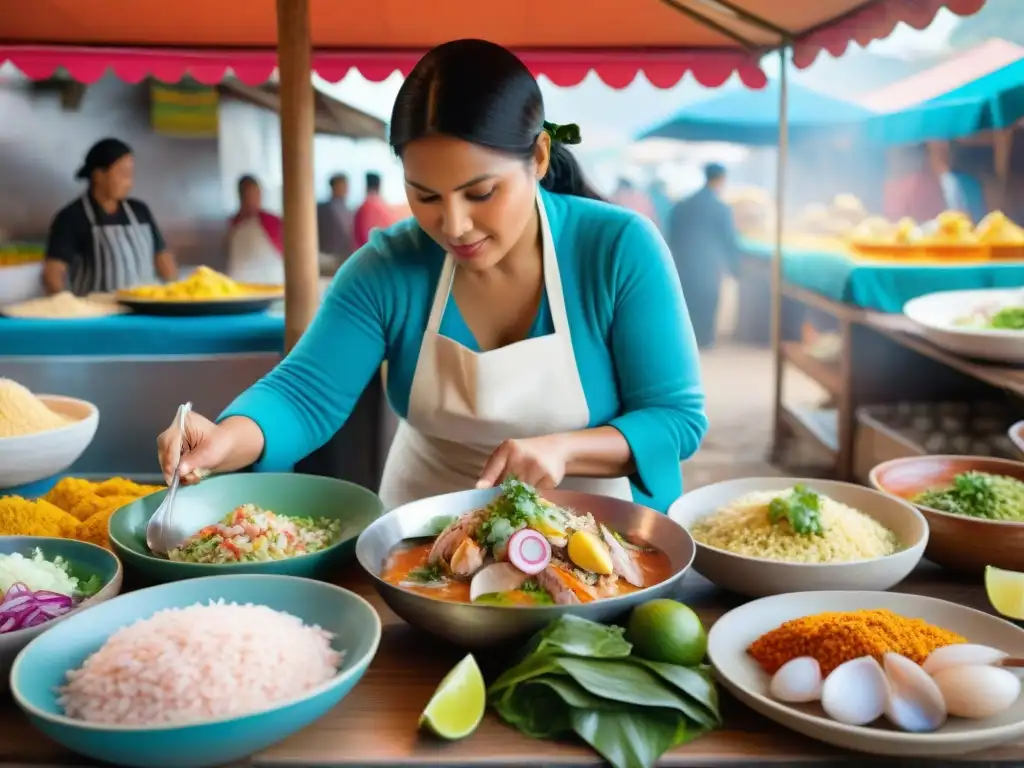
x,y
974,506
276,523
484,567
43,581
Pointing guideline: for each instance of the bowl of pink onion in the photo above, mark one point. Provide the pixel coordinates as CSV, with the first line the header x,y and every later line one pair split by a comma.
x,y
44,580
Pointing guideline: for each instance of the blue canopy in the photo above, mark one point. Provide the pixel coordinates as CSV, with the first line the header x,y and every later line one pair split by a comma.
x,y
742,116
993,101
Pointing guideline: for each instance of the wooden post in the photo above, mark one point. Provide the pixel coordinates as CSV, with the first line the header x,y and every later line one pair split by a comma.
x,y
301,249
777,273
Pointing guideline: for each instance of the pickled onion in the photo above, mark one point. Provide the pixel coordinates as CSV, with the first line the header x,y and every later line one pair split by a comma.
x,y
529,551
22,608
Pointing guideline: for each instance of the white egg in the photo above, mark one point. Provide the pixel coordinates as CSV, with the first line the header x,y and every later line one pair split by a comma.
x,y
962,655
856,692
977,692
798,681
915,703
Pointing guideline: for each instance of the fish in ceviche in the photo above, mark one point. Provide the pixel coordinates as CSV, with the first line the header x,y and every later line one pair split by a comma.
x,y
523,550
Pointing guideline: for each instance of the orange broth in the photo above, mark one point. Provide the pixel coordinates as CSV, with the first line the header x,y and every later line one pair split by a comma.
x,y
407,557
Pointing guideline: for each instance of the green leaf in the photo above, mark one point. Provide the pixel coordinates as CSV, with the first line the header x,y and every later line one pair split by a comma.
x,y
801,508
576,636
633,739
89,587
574,695
536,710
695,684
532,666
629,683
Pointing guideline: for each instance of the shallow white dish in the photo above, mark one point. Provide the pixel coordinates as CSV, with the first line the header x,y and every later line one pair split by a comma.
x,y
30,458
21,282
758,577
937,313
732,634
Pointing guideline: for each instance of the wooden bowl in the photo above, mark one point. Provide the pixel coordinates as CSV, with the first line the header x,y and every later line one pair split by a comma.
x,y
959,543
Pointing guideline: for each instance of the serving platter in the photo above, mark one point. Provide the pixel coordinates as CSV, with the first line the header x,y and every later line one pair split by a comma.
x,y
732,634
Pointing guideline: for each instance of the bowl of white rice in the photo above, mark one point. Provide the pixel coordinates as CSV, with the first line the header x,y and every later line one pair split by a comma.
x,y
201,672
768,536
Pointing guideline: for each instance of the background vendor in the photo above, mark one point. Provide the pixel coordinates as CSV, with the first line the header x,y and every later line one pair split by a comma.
x,y
105,241
255,238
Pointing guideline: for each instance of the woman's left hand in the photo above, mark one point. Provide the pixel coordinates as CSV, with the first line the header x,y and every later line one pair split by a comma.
x,y
537,461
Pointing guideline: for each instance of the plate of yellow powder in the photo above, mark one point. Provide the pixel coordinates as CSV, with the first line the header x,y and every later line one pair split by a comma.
x,y
41,435
764,632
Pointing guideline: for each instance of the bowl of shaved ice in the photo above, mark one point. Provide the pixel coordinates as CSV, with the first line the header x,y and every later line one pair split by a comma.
x,y
45,580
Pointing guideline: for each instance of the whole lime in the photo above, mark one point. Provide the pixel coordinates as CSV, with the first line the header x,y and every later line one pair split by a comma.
x,y
668,631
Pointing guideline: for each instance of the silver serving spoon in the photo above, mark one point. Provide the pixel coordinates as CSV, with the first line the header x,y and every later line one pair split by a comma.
x,y
161,535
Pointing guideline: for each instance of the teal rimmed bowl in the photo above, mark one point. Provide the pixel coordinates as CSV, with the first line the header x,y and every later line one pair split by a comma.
x,y
200,505
84,562
41,667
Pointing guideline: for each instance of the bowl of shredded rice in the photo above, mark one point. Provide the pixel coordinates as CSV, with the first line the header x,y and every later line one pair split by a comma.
x,y
769,536
45,580
41,435
281,523
201,672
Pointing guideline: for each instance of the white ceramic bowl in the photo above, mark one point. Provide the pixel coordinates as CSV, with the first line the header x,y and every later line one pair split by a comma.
x,y
937,313
732,634
21,282
759,577
30,458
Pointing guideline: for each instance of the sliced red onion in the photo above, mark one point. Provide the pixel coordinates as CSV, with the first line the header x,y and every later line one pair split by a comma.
x,y
529,551
22,608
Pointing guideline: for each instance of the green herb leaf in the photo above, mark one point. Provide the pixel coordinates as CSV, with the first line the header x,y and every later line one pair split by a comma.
x,y
427,575
579,676
89,587
631,739
801,509
695,683
534,710
1009,319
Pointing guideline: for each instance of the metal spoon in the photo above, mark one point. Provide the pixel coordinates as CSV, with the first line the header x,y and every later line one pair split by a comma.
x,y
161,535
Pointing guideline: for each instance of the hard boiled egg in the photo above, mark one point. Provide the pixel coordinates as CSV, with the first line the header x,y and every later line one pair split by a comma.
x,y
590,553
798,681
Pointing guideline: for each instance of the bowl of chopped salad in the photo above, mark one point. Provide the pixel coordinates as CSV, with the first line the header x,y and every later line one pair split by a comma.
x,y
986,324
974,506
277,523
44,580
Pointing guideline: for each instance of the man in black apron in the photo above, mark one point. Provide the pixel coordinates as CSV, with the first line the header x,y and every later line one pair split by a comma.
x,y
105,241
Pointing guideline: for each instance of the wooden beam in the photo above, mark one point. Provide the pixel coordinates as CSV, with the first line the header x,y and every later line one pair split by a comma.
x,y
301,249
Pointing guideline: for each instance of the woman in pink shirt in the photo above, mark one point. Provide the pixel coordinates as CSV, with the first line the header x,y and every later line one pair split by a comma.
x,y
373,214
255,238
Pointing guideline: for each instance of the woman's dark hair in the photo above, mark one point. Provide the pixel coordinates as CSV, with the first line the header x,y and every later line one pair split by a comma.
x,y
246,181
481,93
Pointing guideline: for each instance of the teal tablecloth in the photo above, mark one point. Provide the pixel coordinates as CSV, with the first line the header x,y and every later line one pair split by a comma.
x,y
884,287
131,335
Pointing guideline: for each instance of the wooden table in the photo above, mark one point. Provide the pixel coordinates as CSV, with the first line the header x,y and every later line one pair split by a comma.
x,y
376,724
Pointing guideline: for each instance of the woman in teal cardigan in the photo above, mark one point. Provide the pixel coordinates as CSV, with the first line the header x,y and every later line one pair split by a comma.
x,y
528,327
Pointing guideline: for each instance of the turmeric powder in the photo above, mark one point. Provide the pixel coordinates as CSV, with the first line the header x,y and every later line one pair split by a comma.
x,y
73,509
20,517
838,637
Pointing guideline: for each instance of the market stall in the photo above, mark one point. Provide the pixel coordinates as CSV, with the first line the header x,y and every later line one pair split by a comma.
x,y
407,665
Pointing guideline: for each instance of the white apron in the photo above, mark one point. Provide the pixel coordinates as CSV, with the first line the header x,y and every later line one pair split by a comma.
x,y
464,404
122,255
252,256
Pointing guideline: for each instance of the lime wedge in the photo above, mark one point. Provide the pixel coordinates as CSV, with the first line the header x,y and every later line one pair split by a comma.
x,y
458,704
1005,590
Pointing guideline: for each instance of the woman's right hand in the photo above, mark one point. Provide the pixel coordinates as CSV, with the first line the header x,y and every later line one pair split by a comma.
x,y
234,443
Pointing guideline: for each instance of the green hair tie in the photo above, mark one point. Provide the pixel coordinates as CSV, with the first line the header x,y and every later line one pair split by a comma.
x,y
563,134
